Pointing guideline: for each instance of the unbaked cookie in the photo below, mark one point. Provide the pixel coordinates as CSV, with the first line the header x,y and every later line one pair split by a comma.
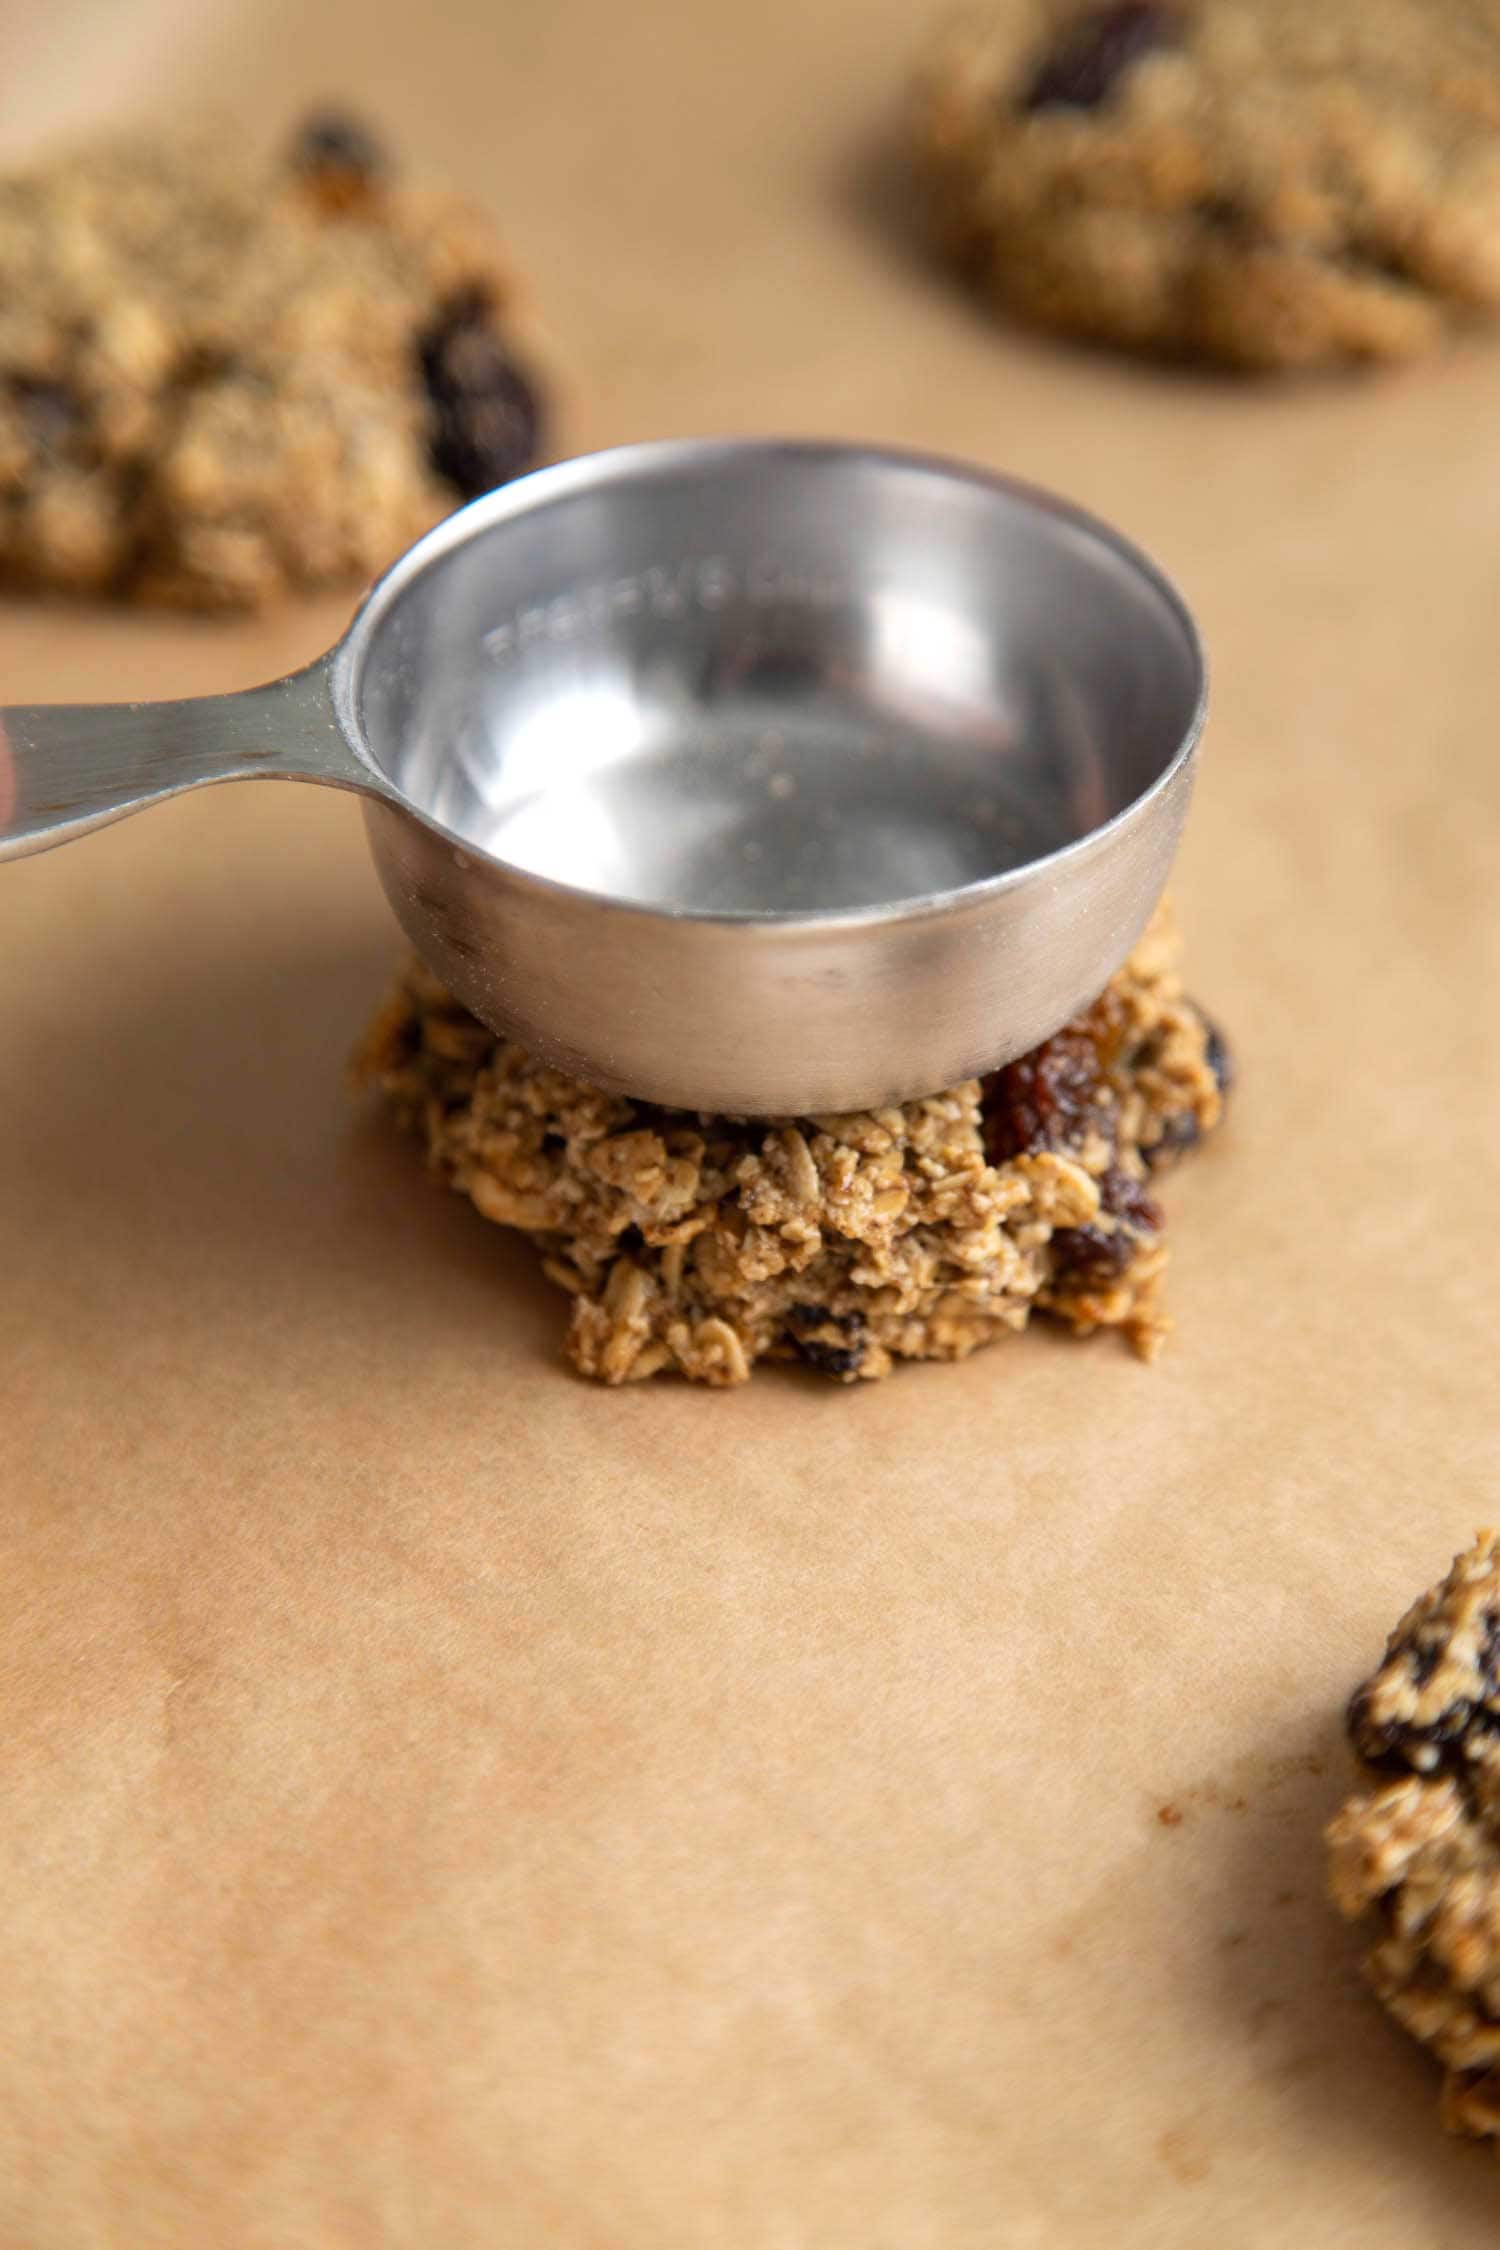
x,y
1266,183
1423,1849
222,380
704,1244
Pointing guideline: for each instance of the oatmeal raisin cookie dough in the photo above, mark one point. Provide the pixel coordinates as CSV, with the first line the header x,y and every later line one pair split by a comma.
x,y
1420,1847
843,1243
222,380
1264,183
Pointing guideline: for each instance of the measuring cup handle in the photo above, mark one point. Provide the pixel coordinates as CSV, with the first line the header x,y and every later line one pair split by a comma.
x,y
68,767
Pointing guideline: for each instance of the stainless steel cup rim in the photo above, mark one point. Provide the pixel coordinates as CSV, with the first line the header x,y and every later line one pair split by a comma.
x,y
597,470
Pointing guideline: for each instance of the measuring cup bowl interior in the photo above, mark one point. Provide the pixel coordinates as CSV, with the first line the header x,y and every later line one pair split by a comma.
x,y
767,681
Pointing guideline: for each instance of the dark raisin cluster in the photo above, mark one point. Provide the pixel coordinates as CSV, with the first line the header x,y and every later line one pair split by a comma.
x,y
838,1354
1447,1739
1097,50
1088,1257
339,160
486,421
52,412
1044,1099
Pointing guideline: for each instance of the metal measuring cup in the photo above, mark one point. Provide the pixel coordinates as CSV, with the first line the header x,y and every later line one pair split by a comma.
x,y
749,776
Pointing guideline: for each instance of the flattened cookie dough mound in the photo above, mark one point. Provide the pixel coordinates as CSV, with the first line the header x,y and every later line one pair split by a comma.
x,y
1264,183
1422,1850
221,381
704,1244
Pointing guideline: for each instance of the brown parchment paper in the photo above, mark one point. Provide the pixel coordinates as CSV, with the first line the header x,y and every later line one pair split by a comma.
x,y
442,1805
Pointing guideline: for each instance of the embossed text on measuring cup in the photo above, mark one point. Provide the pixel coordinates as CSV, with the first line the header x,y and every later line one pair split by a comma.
x,y
698,585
